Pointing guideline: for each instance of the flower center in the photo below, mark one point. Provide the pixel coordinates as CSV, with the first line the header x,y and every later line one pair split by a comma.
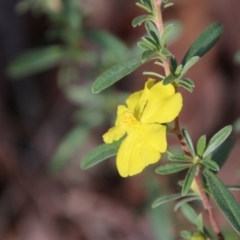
x,y
129,120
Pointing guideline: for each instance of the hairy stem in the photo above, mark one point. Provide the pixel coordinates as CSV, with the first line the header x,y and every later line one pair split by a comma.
x,y
206,203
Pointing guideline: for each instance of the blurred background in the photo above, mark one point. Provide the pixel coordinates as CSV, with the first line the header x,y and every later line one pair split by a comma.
x,y
51,51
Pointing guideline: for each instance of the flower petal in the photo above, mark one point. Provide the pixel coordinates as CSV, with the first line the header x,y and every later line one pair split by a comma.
x,y
113,134
137,101
163,105
142,146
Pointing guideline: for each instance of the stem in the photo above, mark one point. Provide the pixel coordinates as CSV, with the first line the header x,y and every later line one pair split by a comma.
x,y
159,24
206,203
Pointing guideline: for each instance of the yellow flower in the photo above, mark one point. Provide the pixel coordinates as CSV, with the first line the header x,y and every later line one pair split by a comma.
x,y
142,120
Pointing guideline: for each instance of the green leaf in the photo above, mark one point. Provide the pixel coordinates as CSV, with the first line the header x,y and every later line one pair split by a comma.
x,y
166,34
172,168
71,142
186,86
224,199
35,61
168,79
200,225
146,45
178,69
188,65
148,55
188,81
185,234
207,39
188,141
220,156
210,164
189,179
233,187
217,140
100,153
153,32
150,41
201,145
147,3
143,7
179,157
173,63
139,20
114,74
189,213
165,52
186,200
165,199
108,42
153,74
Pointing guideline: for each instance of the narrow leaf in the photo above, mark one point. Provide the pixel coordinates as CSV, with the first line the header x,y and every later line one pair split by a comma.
x,y
220,156
189,179
207,39
224,199
186,86
189,213
179,157
188,65
188,141
166,34
35,61
201,145
185,234
186,200
139,20
100,153
168,79
172,168
114,74
148,55
233,187
210,164
165,199
200,226
217,140
173,62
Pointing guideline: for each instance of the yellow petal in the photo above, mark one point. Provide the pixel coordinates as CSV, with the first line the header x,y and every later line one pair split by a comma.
x,y
113,134
121,112
142,146
163,106
137,101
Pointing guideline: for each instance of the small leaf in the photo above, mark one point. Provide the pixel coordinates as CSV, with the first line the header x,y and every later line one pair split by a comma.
x,y
153,74
147,3
166,34
148,55
189,213
189,179
186,200
165,52
144,7
201,145
146,45
186,86
179,157
188,81
200,226
153,32
188,65
185,234
188,141
220,156
150,41
233,187
165,199
35,61
217,140
114,74
172,168
207,39
168,79
178,70
224,199
100,153
139,20
173,62
210,164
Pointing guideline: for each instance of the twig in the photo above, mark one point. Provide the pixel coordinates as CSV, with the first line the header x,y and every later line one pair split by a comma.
x,y
206,203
